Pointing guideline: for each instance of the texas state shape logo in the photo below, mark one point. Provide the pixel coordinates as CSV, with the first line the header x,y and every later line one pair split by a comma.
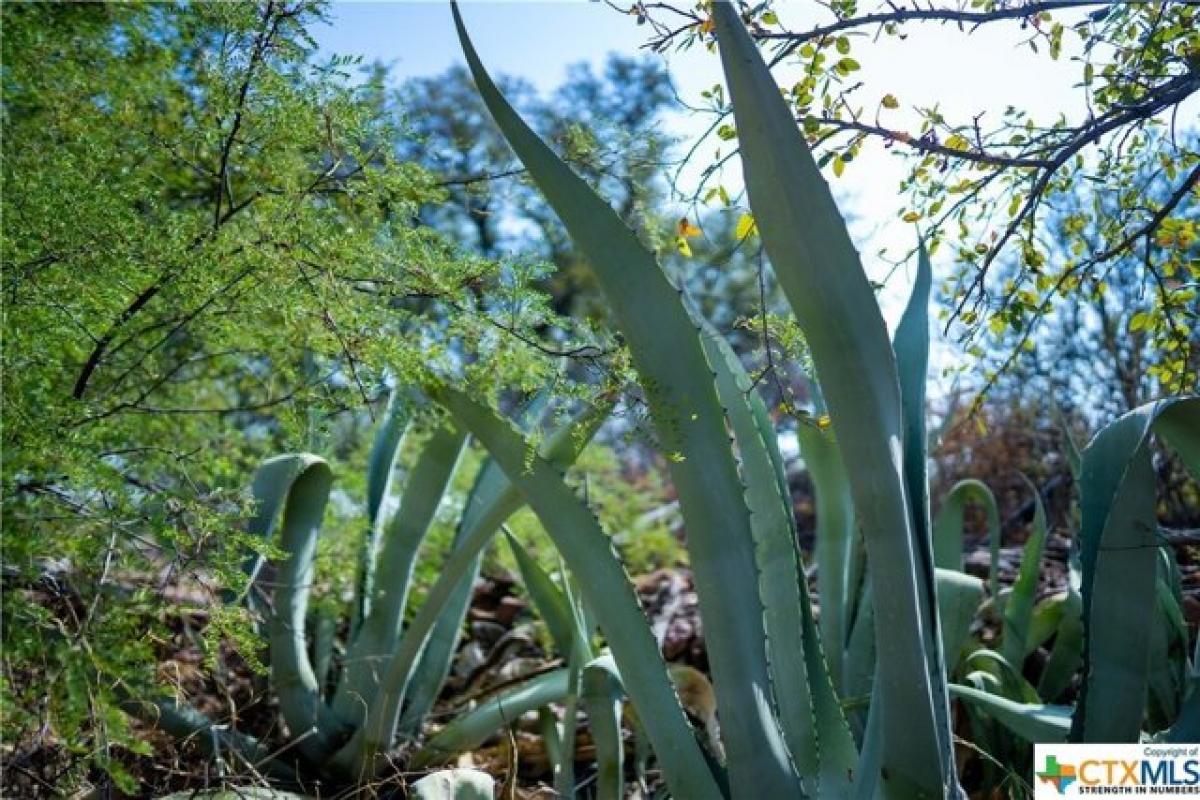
x,y
1060,775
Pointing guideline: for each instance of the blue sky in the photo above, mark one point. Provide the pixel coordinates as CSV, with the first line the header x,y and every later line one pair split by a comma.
x,y
533,40
964,75
537,40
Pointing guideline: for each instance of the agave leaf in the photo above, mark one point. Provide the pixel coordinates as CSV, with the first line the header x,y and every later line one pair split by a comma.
x,y
1018,609
1045,620
560,449
564,773
776,553
269,488
490,502
866,779
811,718
690,424
860,649
588,553
299,484
820,274
601,694
1118,540
454,784
838,753
1033,722
834,543
405,531
185,723
1012,683
581,654
958,598
1168,674
1187,724
1067,654
424,488
324,633
548,599
469,730
381,464
911,346
948,528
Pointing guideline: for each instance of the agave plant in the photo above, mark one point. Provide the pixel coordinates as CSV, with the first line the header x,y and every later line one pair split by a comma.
x,y
896,607
785,733
325,700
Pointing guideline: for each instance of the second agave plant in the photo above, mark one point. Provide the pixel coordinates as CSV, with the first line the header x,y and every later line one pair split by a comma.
x,y
896,619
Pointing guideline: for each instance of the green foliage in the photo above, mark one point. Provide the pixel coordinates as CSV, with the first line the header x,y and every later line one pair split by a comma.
x,y
874,391
210,257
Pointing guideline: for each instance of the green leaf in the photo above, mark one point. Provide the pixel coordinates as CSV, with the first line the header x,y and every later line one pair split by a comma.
x,y
1168,673
1011,681
1118,540
690,423
948,528
588,554
380,467
834,543
809,713
911,345
299,484
601,695
547,598
1018,609
1067,654
472,729
1036,723
821,275
958,598
402,537
492,503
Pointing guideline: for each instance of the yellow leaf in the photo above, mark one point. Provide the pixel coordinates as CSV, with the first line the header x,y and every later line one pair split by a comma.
x,y
890,101
839,166
707,26
685,249
911,216
823,421
746,226
958,142
686,229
